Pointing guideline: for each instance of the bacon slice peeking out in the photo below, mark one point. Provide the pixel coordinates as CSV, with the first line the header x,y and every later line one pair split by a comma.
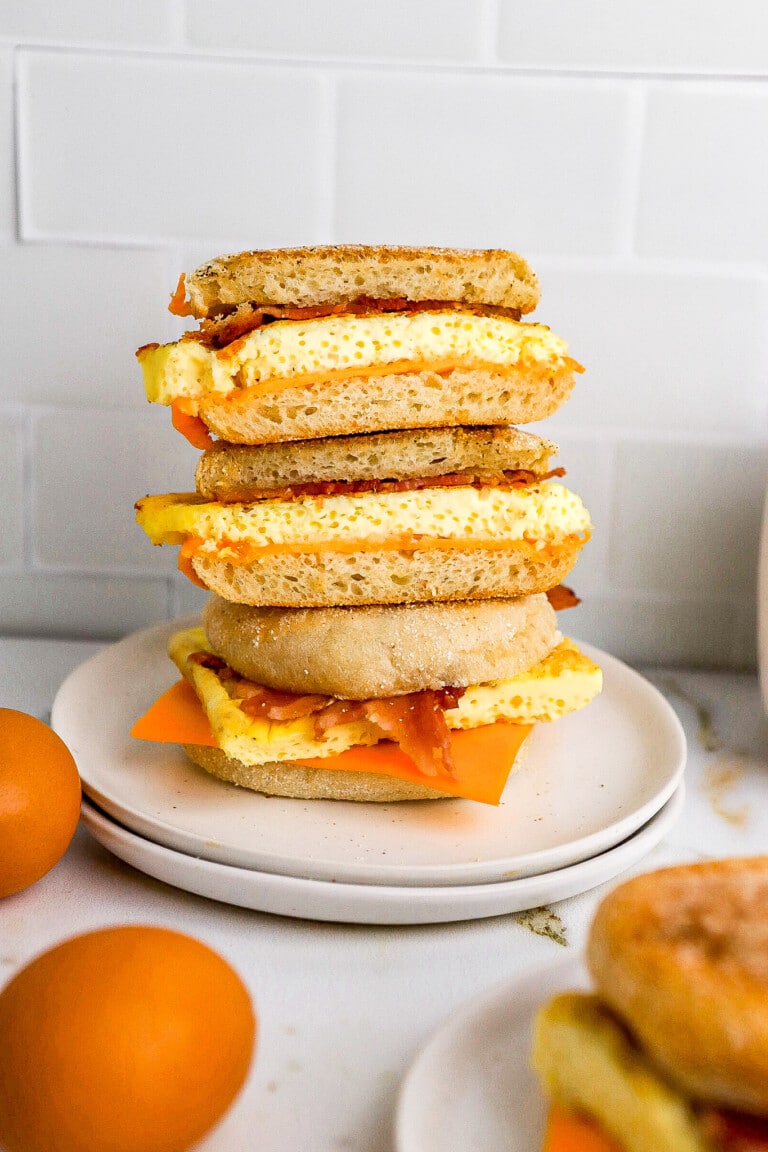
x,y
561,597
511,478
735,1131
416,721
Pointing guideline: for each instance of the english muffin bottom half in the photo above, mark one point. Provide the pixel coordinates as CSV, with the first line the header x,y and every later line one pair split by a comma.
x,y
394,738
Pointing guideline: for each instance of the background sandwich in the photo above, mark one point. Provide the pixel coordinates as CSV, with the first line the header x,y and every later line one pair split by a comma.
x,y
671,1052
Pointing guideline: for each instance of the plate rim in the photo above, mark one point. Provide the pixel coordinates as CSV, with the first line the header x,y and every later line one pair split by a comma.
x,y
427,905
534,983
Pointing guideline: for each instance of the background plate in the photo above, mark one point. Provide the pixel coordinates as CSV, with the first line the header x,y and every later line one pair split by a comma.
x,y
588,782
471,1089
374,903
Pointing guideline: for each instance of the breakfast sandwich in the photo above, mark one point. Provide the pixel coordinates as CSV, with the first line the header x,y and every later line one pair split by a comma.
x,y
383,545
306,343
399,517
671,1050
382,703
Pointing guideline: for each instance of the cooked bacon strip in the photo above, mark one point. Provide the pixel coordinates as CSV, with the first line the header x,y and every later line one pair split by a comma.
x,y
338,712
561,597
512,478
245,318
416,722
267,704
178,304
214,663
735,1131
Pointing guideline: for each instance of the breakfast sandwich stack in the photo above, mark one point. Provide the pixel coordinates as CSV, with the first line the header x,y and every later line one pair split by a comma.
x,y
383,545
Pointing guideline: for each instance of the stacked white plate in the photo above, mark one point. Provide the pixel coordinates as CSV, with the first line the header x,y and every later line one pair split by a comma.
x,y
597,791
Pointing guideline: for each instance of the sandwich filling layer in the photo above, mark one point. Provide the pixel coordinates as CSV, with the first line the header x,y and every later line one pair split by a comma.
x,y
562,682
537,514
290,352
592,1065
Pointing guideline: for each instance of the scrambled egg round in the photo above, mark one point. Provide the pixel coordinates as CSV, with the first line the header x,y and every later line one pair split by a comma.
x,y
290,349
547,512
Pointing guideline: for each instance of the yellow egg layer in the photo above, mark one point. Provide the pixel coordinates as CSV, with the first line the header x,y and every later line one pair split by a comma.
x,y
300,348
588,1062
562,682
544,512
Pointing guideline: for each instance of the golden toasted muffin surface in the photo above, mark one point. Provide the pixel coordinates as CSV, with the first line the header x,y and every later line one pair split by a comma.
x,y
681,954
363,652
332,274
227,471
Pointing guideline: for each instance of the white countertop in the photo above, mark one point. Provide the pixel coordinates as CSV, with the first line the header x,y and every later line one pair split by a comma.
x,y
343,1009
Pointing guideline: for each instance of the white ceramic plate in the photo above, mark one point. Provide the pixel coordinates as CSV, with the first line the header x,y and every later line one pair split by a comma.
x,y
589,781
471,1088
762,607
373,903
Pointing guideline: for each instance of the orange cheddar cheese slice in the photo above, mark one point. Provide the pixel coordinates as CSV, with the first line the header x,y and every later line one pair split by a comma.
x,y
571,1132
482,757
185,420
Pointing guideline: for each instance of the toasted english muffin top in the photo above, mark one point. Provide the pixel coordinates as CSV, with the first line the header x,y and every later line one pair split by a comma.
x,y
332,274
245,472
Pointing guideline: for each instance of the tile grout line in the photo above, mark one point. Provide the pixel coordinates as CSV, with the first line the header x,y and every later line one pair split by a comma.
x,y
28,487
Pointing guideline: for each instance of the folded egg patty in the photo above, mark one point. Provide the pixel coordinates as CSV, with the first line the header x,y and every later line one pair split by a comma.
x,y
286,350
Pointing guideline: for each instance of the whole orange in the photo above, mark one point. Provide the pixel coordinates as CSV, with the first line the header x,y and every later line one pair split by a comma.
x,y
130,1039
39,799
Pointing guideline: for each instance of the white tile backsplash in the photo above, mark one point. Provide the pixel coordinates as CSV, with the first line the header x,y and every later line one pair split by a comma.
x,y
653,630
79,604
675,36
622,149
704,173
95,307
139,22
352,29
158,148
91,466
481,161
663,350
697,507
8,169
12,504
